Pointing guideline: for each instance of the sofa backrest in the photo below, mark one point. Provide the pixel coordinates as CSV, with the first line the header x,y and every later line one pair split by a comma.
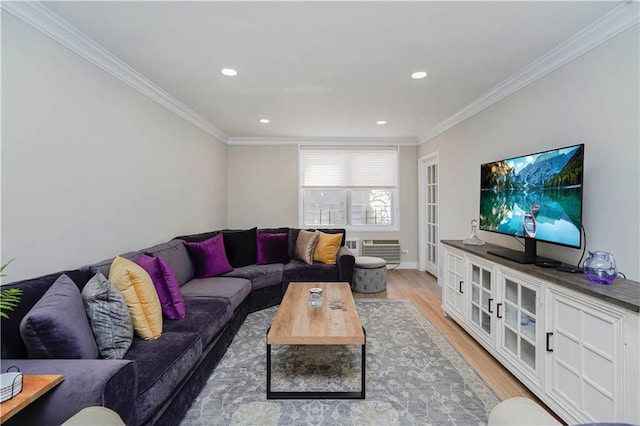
x,y
173,252
293,236
32,290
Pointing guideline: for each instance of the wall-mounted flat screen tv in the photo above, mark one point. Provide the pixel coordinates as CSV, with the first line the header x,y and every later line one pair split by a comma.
x,y
536,196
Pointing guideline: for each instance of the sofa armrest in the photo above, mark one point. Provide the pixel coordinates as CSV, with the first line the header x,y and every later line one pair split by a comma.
x,y
108,383
346,263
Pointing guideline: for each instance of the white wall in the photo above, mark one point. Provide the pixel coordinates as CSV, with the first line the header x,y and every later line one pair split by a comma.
x,y
91,168
263,192
592,100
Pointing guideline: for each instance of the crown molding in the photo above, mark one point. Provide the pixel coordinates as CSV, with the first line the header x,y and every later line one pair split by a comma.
x,y
43,19
608,26
329,141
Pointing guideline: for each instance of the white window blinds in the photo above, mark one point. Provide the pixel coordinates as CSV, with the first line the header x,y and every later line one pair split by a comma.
x,y
370,167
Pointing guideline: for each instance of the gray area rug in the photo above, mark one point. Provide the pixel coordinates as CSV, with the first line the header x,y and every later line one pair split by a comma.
x,y
414,376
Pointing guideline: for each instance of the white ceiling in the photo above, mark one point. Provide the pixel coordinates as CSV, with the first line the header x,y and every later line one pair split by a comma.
x,y
328,69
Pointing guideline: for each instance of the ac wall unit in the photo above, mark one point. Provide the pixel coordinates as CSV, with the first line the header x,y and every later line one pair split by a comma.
x,y
353,245
389,250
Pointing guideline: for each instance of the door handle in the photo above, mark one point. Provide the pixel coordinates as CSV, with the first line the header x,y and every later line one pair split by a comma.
x,y
489,303
498,310
460,288
549,334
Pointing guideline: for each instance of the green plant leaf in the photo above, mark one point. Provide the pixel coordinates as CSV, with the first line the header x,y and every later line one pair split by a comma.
x,y
9,299
2,268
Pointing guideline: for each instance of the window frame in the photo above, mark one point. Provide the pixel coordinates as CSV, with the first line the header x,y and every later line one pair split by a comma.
x,y
348,225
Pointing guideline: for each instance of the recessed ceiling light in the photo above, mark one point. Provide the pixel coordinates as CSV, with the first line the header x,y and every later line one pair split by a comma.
x,y
229,72
381,122
265,120
418,75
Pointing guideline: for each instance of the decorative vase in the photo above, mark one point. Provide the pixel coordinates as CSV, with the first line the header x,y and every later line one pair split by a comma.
x,y
600,267
315,298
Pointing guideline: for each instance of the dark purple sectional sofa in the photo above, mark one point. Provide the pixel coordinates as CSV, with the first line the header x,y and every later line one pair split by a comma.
x,y
157,380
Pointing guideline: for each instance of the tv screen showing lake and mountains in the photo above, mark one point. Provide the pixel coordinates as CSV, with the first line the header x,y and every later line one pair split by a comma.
x,y
537,196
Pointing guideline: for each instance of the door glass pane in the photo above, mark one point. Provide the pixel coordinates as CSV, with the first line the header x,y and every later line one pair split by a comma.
x,y
511,341
511,315
485,299
528,299
486,279
475,274
528,353
486,322
511,291
528,327
475,296
475,314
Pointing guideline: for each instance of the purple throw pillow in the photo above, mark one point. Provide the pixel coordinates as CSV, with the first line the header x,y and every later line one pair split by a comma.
x,y
166,284
57,326
209,257
272,248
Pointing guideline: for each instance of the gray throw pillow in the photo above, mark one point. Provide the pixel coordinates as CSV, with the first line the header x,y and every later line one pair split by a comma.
x,y
108,316
305,246
57,325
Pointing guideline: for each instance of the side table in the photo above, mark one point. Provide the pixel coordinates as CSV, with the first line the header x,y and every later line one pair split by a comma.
x,y
33,387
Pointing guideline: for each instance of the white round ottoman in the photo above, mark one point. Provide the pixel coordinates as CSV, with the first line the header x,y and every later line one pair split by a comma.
x,y
369,275
520,411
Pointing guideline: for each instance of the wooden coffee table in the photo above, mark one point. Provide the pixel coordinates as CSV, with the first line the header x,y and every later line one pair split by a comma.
x,y
296,323
33,387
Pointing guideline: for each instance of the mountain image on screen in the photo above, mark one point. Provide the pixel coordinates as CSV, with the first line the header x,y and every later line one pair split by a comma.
x,y
538,195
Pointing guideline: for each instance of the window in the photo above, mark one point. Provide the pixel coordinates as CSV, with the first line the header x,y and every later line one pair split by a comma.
x,y
351,187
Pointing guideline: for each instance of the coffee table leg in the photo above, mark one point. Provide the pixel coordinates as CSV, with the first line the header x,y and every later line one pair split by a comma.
x,y
268,367
319,395
364,363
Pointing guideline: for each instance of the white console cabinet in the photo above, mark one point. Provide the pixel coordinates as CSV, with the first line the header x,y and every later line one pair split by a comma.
x,y
576,346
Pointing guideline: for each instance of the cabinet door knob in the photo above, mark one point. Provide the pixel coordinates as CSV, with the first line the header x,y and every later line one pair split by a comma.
x,y
461,282
490,301
549,334
498,310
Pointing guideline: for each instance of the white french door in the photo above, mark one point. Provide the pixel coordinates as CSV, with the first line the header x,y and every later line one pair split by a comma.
x,y
429,214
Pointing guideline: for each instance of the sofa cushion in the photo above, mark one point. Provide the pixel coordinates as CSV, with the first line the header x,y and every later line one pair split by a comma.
x,y
272,248
166,284
175,254
104,266
142,300
240,246
293,236
57,325
297,271
197,238
259,275
326,250
162,366
11,344
305,245
205,316
108,316
234,290
209,257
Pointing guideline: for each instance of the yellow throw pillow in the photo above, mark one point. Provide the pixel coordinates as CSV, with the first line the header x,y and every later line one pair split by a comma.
x,y
327,248
140,295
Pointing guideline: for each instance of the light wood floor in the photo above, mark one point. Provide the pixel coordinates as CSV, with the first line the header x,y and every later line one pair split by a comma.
x,y
423,290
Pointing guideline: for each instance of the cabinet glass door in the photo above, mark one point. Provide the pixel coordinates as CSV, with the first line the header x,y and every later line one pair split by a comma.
x,y
519,321
482,300
454,291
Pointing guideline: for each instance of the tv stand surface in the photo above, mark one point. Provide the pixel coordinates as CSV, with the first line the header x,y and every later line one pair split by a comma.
x,y
623,293
523,259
